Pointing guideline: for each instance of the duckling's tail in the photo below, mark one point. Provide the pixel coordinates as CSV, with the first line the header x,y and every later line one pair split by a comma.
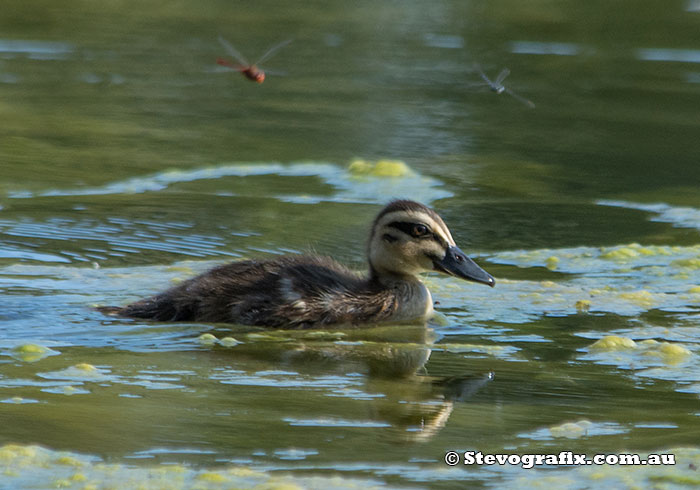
x,y
163,308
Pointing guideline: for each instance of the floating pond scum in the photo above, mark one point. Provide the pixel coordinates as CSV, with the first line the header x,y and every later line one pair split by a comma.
x,y
362,181
38,467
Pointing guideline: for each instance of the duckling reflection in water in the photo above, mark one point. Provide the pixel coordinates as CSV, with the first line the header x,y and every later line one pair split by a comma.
x,y
392,362
305,291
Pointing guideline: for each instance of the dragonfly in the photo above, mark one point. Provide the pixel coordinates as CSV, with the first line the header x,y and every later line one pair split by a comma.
x,y
249,70
497,86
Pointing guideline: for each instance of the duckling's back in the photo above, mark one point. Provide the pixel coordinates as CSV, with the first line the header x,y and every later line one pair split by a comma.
x,y
291,292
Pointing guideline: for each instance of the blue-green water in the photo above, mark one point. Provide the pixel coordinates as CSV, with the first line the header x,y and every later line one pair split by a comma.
x,y
130,160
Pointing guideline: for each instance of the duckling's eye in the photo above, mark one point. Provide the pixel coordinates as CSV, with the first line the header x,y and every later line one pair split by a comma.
x,y
420,230
415,230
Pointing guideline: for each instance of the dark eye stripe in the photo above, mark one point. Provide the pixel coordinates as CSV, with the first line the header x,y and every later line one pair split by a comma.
x,y
406,227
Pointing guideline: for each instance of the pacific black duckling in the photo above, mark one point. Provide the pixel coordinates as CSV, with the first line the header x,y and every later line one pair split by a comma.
x,y
305,291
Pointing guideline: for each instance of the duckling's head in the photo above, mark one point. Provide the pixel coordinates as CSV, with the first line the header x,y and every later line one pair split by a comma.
x,y
408,238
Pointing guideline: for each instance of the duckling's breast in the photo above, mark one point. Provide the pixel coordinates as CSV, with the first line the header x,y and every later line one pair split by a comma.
x,y
414,301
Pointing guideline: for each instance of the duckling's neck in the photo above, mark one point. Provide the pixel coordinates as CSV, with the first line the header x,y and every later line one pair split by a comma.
x,y
413,298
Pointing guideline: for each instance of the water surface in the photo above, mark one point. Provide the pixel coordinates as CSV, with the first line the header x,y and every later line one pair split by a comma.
x,y
131,161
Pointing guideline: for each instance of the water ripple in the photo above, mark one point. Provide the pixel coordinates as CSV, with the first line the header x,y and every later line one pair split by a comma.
x,y
119,237
558,49
349,188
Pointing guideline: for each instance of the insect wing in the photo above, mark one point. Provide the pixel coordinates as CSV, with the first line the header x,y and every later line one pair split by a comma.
x,y
233,52
477,67
501,76
272,51
276,73
230,64
522,99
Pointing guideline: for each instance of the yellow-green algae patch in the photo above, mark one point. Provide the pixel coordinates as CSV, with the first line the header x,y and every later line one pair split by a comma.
x,y
667,352
18,400
648,358
649,279
597,259
229,342
576,430
613,342
380,168
32,352
571,430
212,477
681,475
207,339
70,390
32,467
642,298
368,182
322,335
621,254
583,305
551,262
626,280
523,301
633,250
81,372
69,461
692,264
85,367
280,336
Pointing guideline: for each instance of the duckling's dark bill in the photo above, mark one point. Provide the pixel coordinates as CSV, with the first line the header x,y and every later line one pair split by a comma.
x,y
456,263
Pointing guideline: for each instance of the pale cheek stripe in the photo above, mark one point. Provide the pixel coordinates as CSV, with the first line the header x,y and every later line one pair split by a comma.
x,y
441,242
444,234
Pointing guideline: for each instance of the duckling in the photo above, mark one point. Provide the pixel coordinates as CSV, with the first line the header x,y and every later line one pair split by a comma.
x,y
307,291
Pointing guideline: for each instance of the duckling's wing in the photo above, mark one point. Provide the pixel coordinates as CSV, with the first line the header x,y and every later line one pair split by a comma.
x,y
318,291
289,292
